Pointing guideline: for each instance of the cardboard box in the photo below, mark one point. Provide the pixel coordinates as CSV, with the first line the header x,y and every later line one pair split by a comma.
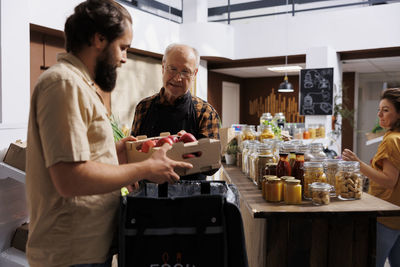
x,y
16,155
226,135
206,154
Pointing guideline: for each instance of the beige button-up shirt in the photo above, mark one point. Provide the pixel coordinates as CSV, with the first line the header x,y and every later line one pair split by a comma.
x,y
67,123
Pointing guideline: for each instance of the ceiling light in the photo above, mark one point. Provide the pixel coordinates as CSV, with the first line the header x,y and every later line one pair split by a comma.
x,y
285,86
285,68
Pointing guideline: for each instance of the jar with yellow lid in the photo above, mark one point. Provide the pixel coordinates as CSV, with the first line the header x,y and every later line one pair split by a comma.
x,y
284,180
273,189
292,191
313,172
349,181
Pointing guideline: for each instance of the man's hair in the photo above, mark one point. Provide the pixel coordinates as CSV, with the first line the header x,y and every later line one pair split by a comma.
x,y
172,46
393,95
105,17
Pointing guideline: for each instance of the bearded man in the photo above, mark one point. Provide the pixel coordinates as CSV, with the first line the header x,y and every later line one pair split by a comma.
x,y
73,174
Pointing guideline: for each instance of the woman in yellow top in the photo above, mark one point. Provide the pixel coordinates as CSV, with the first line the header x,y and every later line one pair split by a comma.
x,y
384,176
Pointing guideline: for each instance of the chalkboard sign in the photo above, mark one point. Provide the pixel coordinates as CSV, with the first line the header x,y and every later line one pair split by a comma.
x,y
316,91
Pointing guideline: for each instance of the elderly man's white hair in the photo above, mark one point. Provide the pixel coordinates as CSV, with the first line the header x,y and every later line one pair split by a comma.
x,y
172,46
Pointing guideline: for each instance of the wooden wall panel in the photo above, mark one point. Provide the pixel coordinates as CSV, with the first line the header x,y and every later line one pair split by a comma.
x,y
348,103
260,95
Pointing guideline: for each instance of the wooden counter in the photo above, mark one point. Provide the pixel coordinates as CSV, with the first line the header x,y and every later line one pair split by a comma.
x,y
342,233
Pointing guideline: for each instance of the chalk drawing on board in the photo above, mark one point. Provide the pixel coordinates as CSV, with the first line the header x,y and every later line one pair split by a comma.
x,y
313,99
316,95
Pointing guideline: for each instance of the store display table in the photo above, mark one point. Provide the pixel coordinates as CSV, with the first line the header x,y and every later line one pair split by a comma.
x,y
342,233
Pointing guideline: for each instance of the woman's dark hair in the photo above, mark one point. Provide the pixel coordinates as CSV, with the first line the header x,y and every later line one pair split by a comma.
x,y
393,95
105,17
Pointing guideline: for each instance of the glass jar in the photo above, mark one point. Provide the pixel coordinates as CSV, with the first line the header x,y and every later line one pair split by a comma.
x,y
306,134
298,133
284,180
280,119
265,117
273,189
266,132
270,169
245,152
312,131
265,156
320,193
331,167
291,149
252,161
292,193
276,149
313,172
248,133
317,151
298,168
349,182
283,167
321,129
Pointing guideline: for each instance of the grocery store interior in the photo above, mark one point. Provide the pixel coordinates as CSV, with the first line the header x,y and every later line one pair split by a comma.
x,y
243,46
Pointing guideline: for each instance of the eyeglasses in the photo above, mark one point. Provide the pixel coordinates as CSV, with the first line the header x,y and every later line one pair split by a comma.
x,y
185,74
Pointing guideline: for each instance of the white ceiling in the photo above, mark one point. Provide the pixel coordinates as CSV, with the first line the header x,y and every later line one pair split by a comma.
x,y
372,65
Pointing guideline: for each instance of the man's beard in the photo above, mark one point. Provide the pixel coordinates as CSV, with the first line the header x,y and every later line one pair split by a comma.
x,y
105,72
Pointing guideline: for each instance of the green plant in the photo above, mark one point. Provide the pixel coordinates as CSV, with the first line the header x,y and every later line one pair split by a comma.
x,y
232,147
377,128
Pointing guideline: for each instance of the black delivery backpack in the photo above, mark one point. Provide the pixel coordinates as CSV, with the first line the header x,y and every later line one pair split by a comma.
x,y
187,224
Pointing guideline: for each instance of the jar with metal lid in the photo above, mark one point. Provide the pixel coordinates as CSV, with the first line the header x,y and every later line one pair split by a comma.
x,y
317,151
313,172
248,133
273,189
292,193
265,117
331,167
270,168
265,156
266,132
320,193
284,180
349,182
280,119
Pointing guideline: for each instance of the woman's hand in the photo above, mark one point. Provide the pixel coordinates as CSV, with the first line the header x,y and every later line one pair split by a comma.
x,y
121,149
349,155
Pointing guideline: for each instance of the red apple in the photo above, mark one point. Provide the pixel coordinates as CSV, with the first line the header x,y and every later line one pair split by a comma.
x,y
147,145
173,138
187,137
163,141
188,156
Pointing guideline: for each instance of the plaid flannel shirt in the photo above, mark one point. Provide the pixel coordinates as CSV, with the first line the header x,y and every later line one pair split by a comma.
x,y
209,121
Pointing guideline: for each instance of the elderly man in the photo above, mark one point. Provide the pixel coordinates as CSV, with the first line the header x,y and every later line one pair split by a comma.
x,y
72,174
174,108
